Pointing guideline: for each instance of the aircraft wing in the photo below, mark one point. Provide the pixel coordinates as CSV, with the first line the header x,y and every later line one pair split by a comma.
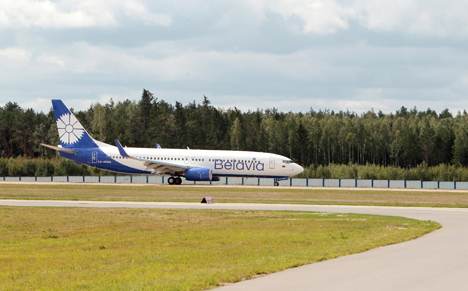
x,y
156,167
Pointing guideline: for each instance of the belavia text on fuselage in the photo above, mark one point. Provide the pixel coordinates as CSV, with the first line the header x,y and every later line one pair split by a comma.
x,y
195,165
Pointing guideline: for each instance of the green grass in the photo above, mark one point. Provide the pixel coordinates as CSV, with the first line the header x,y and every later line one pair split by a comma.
x,y
187,193
159,249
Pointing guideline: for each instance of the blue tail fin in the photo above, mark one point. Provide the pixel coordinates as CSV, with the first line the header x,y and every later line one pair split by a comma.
x,y
71,132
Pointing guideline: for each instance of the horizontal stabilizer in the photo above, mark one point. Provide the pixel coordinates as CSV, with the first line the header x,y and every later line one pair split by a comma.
x,y
68,151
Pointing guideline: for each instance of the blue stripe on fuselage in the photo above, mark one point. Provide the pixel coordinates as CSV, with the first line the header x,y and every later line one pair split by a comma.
x,y
85,157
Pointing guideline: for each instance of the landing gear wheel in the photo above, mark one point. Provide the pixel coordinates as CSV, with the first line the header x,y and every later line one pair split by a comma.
x,y
171,181
178,181
276,183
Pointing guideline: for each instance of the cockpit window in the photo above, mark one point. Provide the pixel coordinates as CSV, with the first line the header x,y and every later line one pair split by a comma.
x,y
287,162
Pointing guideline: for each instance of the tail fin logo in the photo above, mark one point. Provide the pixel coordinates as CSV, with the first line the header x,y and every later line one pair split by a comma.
x,y
69,128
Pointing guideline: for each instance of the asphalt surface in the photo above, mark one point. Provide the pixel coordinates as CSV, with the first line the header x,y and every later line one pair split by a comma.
x,y
437,261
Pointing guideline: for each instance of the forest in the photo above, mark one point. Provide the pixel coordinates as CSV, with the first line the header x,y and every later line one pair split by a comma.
x,y
405,139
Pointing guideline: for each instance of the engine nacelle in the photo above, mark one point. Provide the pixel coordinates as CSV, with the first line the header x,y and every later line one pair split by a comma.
x,y
198,174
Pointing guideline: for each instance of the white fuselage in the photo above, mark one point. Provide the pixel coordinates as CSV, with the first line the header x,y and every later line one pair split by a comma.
x,y
222,163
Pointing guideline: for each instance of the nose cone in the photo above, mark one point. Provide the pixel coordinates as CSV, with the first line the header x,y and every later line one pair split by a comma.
x,y
298,169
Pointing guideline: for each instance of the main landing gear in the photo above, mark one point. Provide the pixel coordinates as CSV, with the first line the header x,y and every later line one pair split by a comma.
x,y
276,183
174,180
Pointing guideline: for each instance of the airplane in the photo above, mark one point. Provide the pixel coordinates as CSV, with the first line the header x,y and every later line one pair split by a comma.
x,y
195,165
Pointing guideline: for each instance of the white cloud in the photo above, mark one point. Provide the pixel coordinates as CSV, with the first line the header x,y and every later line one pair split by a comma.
x,y
414,16
425,17
297,104
322,71
106,97
243,13
27,13
237,53
369,94
15,54
38,104
322,17
460,85
51,60
75,13
136,9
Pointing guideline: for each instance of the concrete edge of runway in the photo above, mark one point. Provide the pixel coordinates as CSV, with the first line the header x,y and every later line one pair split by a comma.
x,y
138,204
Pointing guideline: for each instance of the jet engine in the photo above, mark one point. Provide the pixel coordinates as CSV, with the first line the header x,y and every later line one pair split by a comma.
x,y
198,174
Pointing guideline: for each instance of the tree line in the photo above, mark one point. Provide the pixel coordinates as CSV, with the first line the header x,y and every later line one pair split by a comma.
x,y
403,139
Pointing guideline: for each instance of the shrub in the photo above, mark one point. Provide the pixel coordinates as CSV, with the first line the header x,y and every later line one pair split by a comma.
x,y
422,172
3,167
323,172
44,168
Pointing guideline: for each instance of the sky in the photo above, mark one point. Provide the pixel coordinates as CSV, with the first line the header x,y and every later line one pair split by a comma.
x,y
293,55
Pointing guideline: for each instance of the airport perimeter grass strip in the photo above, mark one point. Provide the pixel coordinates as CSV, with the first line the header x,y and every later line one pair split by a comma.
x,y
188,193
47,248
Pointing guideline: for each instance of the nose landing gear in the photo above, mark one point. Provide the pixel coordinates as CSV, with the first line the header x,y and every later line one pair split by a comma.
x,y
174,180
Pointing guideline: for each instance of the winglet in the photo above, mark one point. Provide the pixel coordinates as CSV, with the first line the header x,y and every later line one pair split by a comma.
x,y
122,152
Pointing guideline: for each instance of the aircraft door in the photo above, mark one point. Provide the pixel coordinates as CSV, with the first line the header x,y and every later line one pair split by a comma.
x,y
272,162
94,157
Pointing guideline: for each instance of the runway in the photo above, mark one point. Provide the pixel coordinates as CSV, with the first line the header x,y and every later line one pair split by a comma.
x,y
436,261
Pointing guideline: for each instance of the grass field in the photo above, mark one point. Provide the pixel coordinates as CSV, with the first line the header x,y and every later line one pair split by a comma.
x,y
155,249
186,193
